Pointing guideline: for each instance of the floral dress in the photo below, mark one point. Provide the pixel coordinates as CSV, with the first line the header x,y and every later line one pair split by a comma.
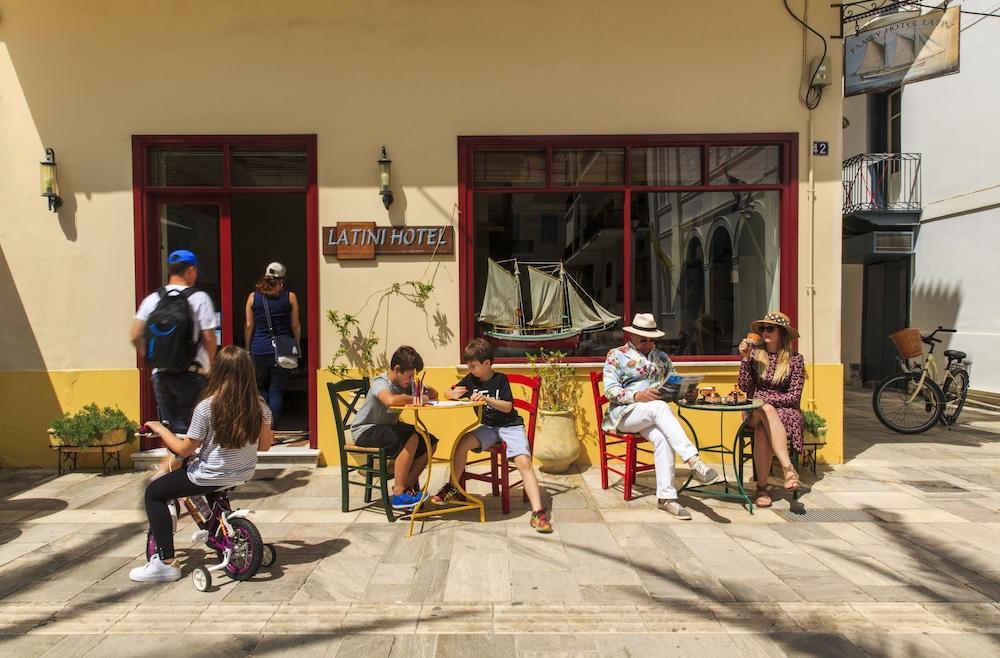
x,y
784,396
626,372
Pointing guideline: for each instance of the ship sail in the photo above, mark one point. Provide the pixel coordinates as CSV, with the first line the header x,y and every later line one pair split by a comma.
x,y
874,59
904,53
546,299
583,316
501,297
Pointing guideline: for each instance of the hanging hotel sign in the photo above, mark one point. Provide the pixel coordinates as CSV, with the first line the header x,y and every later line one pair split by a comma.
x,y
365,240
899,53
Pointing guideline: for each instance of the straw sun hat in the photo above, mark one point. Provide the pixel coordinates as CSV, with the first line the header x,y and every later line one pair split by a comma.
x,y
778,319
644,324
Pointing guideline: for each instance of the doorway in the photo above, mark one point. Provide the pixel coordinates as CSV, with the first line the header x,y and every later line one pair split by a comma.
x,y
239,203
886,310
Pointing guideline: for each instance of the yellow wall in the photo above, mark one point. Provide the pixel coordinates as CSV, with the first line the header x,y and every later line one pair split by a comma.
x,y
84,78
30,400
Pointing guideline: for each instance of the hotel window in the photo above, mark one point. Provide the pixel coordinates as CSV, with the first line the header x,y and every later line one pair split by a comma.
x,y
567,238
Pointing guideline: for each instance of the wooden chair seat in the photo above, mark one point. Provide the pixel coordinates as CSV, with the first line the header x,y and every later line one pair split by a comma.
x,y
635,445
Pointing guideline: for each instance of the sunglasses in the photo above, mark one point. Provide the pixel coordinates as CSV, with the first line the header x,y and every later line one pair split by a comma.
x,y
640,341
768,328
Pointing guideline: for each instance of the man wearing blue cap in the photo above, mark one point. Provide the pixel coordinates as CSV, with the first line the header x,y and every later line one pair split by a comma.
x,y
180,361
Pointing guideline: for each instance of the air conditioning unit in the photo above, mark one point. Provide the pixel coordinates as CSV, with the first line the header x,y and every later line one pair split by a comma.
x,y
893,242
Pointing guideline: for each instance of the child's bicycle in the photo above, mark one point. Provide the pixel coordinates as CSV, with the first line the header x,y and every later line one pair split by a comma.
x,y
234,538
912,401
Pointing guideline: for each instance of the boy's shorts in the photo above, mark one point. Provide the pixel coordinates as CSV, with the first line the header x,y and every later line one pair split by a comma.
x,y
392,438
514,436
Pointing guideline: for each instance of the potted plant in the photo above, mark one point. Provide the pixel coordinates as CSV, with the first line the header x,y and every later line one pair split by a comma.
x,y
556,440
814,425
92,427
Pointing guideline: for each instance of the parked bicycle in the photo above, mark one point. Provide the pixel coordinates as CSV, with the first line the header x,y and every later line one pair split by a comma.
x,y
914,400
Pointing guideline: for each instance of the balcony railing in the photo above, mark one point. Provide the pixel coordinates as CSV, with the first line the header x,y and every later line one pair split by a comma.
x,y
882,182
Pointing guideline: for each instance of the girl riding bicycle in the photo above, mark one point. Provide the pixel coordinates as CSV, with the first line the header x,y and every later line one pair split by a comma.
x,y
229,426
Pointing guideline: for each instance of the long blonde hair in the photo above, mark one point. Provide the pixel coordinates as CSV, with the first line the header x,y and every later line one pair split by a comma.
x,y
236,410
784,365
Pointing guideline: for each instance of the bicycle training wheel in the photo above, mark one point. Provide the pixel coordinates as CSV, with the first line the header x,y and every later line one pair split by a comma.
x,y
904,406
956,388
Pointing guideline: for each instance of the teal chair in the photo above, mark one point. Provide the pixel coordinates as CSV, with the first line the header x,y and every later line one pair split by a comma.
x,y
346,397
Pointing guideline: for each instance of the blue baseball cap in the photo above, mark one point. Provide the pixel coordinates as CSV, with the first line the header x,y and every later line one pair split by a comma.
x,y
182,256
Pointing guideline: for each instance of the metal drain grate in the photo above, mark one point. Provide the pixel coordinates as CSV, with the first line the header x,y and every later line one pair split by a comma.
x,y
935,486
828,516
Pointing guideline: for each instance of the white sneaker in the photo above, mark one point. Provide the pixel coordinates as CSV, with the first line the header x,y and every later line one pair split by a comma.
x,y
155,571
199,536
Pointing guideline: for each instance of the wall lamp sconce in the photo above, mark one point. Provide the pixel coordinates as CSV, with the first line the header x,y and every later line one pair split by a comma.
x,y
50,180
384,182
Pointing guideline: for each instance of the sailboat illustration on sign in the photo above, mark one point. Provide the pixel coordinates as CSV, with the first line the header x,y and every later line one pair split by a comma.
x,y
560,310
907,53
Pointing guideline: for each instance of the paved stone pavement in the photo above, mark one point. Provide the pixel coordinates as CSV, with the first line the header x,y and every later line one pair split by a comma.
x,y
909,568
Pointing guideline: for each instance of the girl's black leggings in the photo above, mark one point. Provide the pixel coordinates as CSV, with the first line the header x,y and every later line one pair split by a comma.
x,y
167,487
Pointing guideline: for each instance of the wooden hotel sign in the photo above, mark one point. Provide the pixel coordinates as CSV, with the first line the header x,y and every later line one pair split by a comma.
x,y
365,241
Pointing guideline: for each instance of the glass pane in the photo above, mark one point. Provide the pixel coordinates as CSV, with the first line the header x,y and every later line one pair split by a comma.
x,y
255,167
737,165
171,166
588,166
666,166
535,304
504,168
194,227
706,265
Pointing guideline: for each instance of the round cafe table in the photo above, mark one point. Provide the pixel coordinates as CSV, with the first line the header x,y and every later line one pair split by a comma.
x,y
436,408
737,453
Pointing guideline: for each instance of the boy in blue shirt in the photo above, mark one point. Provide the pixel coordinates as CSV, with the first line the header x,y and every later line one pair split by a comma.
x,y
500,422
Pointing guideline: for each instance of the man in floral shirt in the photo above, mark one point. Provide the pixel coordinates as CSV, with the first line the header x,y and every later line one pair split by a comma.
x,y
633,374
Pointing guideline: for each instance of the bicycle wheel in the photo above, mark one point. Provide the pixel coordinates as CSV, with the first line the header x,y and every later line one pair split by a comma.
x,y
956,388
248,550
903,407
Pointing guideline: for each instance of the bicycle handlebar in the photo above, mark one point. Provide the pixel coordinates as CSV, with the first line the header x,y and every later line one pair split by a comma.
x,y
929,339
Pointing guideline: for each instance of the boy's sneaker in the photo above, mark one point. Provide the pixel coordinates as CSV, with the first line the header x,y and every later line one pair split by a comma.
x,y
447,494
540,521
703,472
672,507
155,571
403,500
417,494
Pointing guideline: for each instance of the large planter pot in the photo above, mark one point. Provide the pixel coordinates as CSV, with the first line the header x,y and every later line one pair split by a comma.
x,y
818,437
556,442
112,438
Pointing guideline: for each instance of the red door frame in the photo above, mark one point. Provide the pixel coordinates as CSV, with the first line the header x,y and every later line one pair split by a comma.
x,y
145,197
788,222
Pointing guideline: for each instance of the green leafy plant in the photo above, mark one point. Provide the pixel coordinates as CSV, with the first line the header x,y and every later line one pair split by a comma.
x,y
90,423
813,423
560,389
357,346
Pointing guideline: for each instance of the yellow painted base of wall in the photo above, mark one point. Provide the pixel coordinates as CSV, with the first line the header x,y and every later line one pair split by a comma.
x,y
30,400
824,384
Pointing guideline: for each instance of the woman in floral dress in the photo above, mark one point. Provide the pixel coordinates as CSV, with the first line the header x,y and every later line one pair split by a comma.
x,y
773,374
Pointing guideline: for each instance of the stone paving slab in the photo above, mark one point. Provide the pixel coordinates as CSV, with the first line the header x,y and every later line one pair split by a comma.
x,y
616,578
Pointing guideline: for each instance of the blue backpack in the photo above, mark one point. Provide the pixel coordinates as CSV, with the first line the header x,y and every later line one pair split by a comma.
x,y
170,332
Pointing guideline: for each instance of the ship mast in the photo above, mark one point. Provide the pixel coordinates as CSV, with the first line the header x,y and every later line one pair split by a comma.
x,y
567,318
520,297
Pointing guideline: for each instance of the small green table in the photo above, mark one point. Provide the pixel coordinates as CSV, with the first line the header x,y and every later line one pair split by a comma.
x,y
738,452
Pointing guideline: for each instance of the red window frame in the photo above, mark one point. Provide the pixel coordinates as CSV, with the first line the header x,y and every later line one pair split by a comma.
x,y
144,196
788,220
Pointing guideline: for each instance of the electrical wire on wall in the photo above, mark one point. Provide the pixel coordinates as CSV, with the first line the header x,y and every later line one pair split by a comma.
x,y
813,92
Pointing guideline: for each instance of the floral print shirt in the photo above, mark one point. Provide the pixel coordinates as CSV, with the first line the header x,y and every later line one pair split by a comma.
x,y
626,372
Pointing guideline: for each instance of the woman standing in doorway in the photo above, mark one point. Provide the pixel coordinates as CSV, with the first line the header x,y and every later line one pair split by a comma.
x,y
271,311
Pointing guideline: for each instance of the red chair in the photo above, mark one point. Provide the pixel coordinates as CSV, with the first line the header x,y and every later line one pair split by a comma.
x,y
606,440
500,468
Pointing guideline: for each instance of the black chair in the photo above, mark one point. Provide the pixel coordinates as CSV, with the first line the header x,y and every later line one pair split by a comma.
x,y
346,397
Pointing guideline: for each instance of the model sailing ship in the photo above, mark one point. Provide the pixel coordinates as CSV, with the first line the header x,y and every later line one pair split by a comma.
x,y
560,309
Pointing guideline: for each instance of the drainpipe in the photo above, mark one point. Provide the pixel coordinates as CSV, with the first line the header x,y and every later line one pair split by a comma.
x,y
811,196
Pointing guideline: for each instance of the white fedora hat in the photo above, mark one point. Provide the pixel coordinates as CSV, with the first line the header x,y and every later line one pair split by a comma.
x,y
644,324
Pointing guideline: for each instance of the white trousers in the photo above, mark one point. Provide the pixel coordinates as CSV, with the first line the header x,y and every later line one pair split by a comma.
x,y
657,424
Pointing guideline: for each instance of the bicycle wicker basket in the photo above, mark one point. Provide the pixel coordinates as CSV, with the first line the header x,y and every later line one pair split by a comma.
x,y
907,342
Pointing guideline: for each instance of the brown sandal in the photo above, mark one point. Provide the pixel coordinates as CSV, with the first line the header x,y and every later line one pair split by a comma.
x,y
761,498
791,479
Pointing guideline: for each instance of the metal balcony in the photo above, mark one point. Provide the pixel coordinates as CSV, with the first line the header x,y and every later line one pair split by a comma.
x,y
881,191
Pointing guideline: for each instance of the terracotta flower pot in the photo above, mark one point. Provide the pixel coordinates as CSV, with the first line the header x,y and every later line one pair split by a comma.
x,y
556,441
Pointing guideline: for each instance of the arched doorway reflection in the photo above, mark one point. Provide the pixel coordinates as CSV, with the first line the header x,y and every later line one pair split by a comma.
x,y
692,296
717,324
753,276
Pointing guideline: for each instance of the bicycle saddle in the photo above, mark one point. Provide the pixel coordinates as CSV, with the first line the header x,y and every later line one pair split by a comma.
x,y
955,354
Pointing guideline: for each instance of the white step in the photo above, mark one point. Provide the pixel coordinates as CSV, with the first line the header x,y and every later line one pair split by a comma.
x,y
276,457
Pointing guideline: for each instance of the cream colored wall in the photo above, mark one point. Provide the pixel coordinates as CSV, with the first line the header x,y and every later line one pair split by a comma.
x,y
852,307
414,76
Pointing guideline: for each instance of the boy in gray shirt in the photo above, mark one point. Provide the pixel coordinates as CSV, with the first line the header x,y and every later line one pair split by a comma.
x,y
376,426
